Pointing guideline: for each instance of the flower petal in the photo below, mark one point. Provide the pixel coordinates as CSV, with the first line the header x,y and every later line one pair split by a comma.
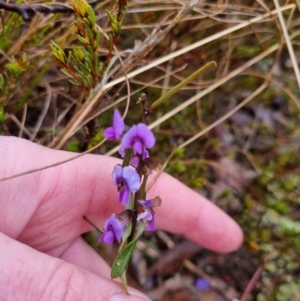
x,y
117,174
109,134
145,154
152,225
137,147
145,215
145,135
147,203
109,222
118,230
113,230
202,284
132,179
118,124
134,162
128,138
124,194
108,238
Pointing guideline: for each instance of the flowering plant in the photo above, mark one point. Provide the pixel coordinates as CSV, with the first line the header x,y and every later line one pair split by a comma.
x,y
131,179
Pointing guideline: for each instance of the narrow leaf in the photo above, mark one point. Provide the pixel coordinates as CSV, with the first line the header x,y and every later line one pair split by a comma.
x,y
181,85
121,262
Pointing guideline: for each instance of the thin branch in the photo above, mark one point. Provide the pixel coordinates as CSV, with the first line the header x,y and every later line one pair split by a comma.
x,y
28,11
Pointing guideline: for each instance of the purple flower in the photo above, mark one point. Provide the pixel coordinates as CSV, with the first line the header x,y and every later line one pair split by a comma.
x,y
134,162
147,215
113,230
115,132
128,180
202,284
151,226
147,203
138,137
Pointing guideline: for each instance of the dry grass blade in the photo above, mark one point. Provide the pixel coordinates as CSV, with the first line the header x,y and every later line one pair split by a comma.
x,y
288,41
26,172
78,119
155,38
208,90
149,44
226,116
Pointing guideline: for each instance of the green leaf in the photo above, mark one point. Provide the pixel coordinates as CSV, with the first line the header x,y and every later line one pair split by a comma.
x,y
91,15
83,40
100,68
283,224
112,17
13,67
127,232
58,52
90,33
75,82
98,39
64,71
121,262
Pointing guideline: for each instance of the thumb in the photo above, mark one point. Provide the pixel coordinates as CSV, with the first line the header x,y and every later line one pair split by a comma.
x,y
27,274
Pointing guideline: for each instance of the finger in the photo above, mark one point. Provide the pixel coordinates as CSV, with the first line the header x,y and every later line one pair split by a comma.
x,y
45,209
30,275
185,212
84,187
82,255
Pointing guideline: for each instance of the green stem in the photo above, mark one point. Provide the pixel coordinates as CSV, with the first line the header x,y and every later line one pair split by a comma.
x,y
127,158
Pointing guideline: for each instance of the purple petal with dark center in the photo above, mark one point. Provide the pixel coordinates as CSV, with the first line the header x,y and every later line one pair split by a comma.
x,y
108,223
113,230
117,174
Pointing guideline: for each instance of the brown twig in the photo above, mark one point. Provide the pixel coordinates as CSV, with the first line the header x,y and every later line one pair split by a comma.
x,y
255,277
28,11
92,224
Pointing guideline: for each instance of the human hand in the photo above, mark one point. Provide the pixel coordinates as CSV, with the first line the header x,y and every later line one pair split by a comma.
x,y
42,255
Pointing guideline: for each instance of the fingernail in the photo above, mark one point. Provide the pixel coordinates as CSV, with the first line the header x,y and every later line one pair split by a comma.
x,y
123,297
